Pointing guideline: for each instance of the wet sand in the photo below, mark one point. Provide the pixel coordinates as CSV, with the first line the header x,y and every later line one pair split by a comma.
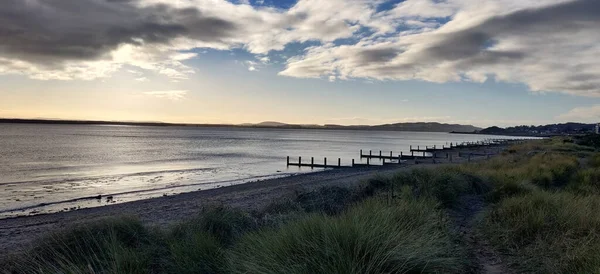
x,y
19,232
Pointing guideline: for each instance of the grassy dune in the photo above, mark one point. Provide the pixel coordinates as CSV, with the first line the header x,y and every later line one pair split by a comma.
x,y
540,212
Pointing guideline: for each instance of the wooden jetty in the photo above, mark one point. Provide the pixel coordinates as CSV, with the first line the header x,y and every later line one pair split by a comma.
x,y
418,154
313,165
430,149
398,157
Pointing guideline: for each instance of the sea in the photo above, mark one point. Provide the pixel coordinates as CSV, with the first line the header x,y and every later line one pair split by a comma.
x,y
47,168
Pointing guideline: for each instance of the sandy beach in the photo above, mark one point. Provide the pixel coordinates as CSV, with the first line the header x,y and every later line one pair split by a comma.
x,y
17,233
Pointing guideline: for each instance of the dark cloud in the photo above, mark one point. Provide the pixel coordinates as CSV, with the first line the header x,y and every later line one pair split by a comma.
x,y
473,45
368,56
51,31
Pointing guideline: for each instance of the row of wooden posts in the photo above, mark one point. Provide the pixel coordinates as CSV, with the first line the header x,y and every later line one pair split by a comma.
x,y
401,157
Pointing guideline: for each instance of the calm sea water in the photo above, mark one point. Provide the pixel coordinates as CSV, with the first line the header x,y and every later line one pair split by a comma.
x,y
47,168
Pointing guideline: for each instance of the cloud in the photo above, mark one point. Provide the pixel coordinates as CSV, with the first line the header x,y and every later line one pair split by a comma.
x,y
87,39
550,45
590,114
251,65
174,95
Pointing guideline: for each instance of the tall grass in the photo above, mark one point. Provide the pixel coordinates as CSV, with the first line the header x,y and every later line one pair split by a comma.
x,y
445,185
113,245
406,236
548,232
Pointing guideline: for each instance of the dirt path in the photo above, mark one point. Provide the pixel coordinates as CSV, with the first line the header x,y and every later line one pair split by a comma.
x,y
483,256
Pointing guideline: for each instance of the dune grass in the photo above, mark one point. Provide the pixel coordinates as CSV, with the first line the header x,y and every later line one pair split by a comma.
x,y
545,214
404,236
548,232
113,245
542,213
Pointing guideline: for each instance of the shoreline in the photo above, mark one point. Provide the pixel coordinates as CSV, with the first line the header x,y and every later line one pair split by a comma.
x,y
16,233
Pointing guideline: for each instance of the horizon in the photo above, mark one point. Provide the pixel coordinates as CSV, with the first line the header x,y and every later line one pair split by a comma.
x,y
270,121
360,62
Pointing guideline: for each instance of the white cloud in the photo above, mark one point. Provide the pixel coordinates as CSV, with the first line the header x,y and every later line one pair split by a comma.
x,y
549,45
251,65
590,114
141,79
549,48
174,95
263,59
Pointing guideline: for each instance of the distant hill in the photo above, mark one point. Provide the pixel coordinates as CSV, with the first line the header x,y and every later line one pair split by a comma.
x,y
419,126
429,127
542,130
423,126
271,124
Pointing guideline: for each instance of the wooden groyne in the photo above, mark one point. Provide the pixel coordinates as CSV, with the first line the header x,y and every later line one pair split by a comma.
x,y
313,165
418,154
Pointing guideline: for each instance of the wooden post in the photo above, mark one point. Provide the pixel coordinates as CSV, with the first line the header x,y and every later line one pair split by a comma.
x,y
288,161
370,153
380,153
325,162
447,155
410,147
312,162
339,162
361,153
423,154
352,162
400,159
299,161
391,155
368,161
412,153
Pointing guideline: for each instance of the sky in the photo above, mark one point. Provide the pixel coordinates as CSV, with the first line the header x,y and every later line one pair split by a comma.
x,y
492,62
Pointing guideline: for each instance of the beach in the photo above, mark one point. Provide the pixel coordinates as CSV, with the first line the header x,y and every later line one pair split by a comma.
x,y
18,232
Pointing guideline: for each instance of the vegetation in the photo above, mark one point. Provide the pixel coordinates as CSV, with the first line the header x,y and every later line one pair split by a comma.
x,y
540,209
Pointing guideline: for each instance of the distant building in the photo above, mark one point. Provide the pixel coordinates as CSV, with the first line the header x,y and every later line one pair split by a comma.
x,y
597,128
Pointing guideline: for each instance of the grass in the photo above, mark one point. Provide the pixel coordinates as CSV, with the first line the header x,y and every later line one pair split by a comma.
x,y
542,212
545,212
406,236
113,245
548,232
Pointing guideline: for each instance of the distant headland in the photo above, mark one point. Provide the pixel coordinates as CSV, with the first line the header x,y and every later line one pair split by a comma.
x,y
419,126
541,130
